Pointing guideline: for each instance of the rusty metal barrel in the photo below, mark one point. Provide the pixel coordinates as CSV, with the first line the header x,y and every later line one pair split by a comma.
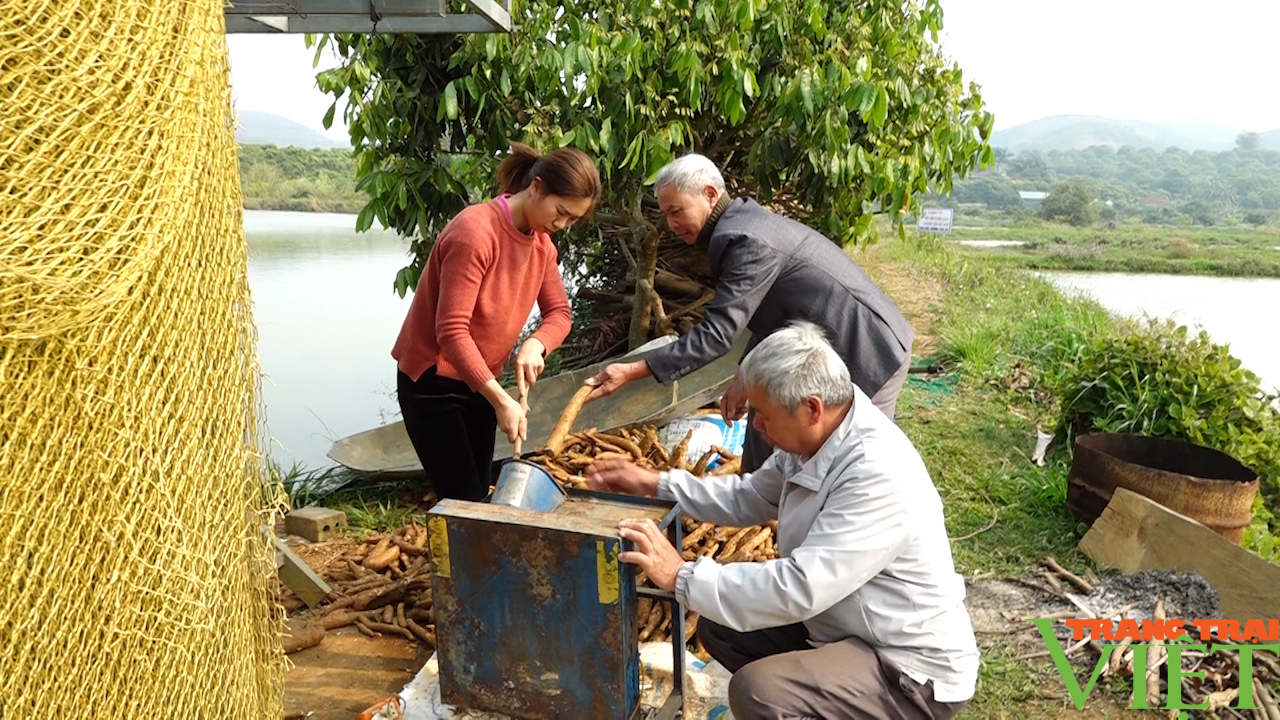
x,y
1206,485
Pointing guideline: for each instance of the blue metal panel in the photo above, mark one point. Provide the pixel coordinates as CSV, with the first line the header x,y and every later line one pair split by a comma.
x,y
535,615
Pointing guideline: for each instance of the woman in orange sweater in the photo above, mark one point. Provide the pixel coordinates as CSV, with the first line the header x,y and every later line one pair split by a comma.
x,y
486,270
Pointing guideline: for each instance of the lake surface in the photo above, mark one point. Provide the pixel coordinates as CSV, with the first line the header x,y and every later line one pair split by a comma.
x,y
1239,312
327,317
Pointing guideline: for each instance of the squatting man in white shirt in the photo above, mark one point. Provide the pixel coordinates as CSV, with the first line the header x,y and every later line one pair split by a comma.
x,y
862,614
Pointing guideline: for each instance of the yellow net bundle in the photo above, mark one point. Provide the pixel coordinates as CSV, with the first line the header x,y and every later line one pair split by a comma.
x,y
135,566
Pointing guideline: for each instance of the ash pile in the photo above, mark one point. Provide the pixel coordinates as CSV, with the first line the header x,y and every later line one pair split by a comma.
x,y
1157,595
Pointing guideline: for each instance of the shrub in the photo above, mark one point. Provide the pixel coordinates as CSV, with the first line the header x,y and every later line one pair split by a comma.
x,y
1156,378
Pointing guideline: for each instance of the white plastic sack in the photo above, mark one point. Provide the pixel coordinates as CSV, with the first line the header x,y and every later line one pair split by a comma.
x,y
707,430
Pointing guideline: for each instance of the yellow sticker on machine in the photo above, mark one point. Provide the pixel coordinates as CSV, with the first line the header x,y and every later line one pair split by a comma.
x,y
438,536
607,572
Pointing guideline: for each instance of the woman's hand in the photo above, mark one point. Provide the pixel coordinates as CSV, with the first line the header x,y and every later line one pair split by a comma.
x,y
512,420
529,364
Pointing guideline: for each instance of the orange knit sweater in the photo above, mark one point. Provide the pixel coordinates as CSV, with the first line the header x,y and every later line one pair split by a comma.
x,y
475,294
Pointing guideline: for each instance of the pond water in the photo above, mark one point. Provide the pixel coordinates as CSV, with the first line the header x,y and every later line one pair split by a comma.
x,y
327,317
1239,312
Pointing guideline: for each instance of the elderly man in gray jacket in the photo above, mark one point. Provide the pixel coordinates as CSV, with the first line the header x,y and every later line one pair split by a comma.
x,y
862,615
769,270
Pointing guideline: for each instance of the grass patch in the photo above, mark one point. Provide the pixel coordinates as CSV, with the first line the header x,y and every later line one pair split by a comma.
x,y
374,514
1018,346
298,179
374,505
1004,513
371,505
304,486
1005,685
1229,252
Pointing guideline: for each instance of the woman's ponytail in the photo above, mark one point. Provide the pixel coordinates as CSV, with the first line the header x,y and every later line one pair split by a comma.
x,y
515,172
566,172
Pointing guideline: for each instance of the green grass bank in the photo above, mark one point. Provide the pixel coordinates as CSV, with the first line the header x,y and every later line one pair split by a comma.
x,y
1023,357
1133,247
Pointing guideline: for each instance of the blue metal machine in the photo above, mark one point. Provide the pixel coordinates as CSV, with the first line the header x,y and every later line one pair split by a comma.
x,y
535,614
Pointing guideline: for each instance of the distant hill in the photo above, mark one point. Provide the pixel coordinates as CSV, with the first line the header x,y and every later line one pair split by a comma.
x,y
261,128
1076,132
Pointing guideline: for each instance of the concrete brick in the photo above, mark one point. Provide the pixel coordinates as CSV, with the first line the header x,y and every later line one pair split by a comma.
x,y
315,523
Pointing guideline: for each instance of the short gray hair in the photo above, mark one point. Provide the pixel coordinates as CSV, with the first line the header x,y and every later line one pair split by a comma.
x,y
795,363
689,174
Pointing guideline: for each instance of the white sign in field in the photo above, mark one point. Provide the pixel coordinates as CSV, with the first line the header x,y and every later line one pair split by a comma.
x,y
935,220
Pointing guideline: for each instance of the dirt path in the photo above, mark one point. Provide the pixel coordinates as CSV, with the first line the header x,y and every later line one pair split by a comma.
x,y
918,296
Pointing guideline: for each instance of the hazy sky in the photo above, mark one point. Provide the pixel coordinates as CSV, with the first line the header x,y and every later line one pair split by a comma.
x,y
1129,59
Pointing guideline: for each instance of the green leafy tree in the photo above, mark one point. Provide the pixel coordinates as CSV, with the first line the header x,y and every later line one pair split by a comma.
x,y
996,192
1200,212
1032,167
1072,202
843,109
1249,141
1141,182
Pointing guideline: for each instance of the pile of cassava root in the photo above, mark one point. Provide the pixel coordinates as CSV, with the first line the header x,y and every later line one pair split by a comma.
x,y
577,451
382,586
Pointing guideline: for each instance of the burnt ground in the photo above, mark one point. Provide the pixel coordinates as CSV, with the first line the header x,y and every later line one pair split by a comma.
x,y
1000,609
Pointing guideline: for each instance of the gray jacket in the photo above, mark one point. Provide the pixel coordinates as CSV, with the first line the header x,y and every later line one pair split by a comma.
x,y
863,551
770,270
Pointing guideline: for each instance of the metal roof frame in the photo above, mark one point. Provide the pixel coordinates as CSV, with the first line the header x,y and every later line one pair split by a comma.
x,y
424,17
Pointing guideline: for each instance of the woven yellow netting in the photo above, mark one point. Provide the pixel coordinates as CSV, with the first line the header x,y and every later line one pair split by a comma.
x,y
134,566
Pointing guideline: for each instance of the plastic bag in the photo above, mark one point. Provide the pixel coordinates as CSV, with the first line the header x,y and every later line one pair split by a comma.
x,y
707,430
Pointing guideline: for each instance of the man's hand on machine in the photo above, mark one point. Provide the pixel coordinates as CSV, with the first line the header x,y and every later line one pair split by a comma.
x,y
653,552
620,476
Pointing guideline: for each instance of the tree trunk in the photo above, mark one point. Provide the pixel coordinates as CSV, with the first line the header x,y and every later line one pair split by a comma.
x,y
669,282
646,267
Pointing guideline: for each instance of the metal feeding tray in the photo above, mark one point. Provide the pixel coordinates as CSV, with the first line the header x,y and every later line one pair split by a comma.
x,y
535,613
527,485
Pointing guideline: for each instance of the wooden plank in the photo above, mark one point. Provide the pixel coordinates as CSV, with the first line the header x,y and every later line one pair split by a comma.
x,y
1135,533
299,577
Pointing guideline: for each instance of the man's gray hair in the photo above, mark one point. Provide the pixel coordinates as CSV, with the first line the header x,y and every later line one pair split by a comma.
x,y
689,174
795,363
